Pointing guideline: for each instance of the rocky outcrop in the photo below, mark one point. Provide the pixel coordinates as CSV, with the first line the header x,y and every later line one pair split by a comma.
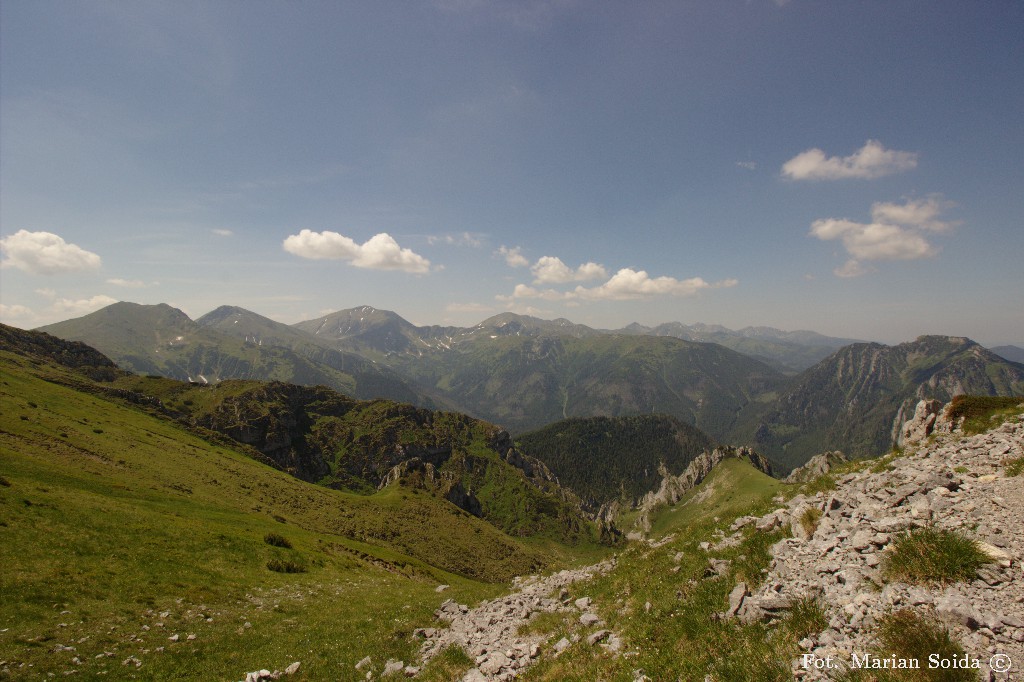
x,y
928,418
673,488
953,482
819,465
489,633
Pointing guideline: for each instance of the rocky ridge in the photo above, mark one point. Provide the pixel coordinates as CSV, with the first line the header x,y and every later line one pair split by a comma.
x,y
950,481
489,633
672,488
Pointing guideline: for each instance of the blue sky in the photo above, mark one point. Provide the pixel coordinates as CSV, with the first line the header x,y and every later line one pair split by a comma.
x,y
852,168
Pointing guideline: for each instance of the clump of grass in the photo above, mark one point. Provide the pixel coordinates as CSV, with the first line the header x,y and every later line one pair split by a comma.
x,y
906,634
286,566
806,617
809,519
450,664
543,623
933,555
981,412
4,482
822,484
277,540
1015,467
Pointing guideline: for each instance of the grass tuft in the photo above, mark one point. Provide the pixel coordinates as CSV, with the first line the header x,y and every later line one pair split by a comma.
x,y
809,519
906,634
277,540
286,566
933,555
822,484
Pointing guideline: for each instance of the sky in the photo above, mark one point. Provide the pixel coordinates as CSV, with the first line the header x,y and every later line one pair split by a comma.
x,y
856,169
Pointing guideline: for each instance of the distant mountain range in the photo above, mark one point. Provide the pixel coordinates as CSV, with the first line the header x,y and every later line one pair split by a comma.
x,y
790,394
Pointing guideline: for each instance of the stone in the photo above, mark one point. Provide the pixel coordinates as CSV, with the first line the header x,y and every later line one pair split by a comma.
x,y
582,603
736,598
293,668
996,554
392,666
588,619
363,663
598,636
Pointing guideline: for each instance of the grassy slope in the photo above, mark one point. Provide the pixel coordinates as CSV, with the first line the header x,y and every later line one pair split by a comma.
x,y
110,517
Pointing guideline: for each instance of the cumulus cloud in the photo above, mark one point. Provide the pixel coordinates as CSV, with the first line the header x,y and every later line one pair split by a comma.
x,y
626,284
44,253
16,314
514,257
897,232
551,270
922,213
81,306
870,161
629,284
380,252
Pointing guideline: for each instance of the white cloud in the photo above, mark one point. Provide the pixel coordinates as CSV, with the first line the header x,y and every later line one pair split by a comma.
x,y
514,257
626,284
379,252
629,284
551,270
44,253
81,306
129,283
897,232
15,314
870,161
220,232
922,213
748,165
852,268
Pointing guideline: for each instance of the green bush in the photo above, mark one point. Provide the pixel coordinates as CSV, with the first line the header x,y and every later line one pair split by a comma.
x,y
932,555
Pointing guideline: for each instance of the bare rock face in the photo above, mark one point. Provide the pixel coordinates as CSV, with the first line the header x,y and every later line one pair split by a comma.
x,y
922,424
